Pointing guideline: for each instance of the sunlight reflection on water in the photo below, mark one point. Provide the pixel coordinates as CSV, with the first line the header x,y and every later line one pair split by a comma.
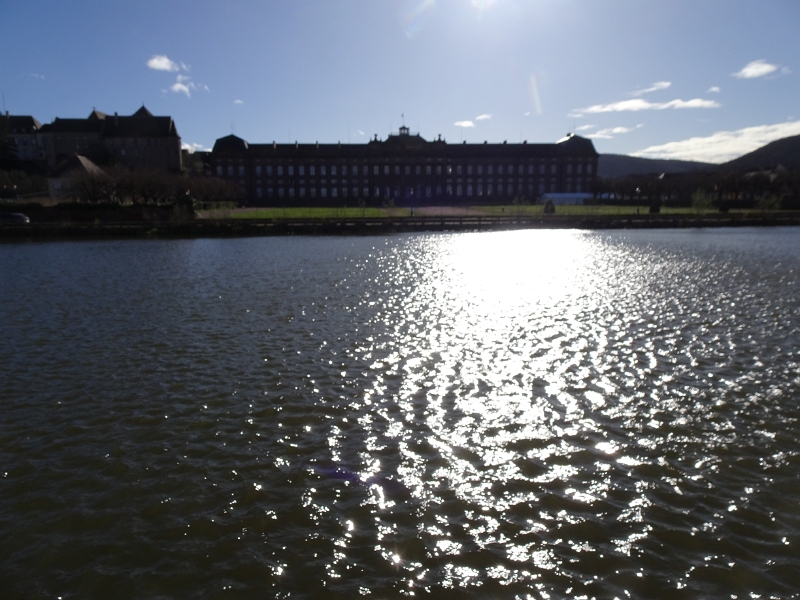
x,y
519,414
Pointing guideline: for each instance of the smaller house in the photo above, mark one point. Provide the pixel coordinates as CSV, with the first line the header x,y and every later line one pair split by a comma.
x,y
60,180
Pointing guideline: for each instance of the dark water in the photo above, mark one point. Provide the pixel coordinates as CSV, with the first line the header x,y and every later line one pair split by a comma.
x,y
535,414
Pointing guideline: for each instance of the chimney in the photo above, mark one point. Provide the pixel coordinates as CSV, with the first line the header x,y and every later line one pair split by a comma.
x,y
116,120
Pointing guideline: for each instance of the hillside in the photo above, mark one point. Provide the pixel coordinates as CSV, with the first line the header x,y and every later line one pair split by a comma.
x,y
620,165
784,152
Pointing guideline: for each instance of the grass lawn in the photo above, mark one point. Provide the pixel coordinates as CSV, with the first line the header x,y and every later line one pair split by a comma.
x,y
314,213
436,211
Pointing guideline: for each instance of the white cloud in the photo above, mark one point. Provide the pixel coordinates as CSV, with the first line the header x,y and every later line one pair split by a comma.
x,y
238,102
37,76
464,124
184,85
192,148
527,114
160,62
361,132
757,68
585,127
722,146
658,85
483,117
609,133
713,90
640,104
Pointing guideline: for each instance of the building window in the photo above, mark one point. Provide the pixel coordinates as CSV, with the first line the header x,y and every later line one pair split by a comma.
x,y
553,169
355,170
377,191
323,192
344,170
334,191
541,169
530,169
355,192
366,192
291,192
438,169
428,191
569,169
302,192
469,190
469,169
408,170
301,170
258,170
459,171
312,170
280,170
489,190
449,189
280,192
270,192
385,169
499,188
269,169
219,170
588,169
427,169
333,169
480,169
458,190
417,170
230,170
290,170
397,169
258,192
323,170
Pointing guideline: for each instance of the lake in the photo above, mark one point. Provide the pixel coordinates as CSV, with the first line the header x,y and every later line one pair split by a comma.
x,y
525,414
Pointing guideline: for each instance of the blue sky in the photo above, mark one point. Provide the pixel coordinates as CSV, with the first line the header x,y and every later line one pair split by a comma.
x,y
695,79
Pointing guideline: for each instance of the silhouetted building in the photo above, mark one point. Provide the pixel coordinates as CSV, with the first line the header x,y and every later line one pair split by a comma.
x,y
404,169
140,141
23,134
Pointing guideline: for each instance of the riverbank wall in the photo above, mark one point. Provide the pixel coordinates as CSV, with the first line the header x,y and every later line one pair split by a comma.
x,y
383,225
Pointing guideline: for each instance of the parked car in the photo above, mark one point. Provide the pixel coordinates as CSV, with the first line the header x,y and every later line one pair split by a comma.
x,y
14,219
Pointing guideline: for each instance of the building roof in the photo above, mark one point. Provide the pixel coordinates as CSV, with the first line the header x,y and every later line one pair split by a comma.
x,y
77,163
406,144
19,124
141,124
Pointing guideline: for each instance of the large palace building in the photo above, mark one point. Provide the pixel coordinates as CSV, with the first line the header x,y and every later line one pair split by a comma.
x,y
404,169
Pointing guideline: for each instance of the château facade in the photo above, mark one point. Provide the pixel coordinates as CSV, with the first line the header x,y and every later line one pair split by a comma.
x,y
404,169
140,141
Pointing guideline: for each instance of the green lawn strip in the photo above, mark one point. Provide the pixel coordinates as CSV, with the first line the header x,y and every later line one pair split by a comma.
x,y
319,213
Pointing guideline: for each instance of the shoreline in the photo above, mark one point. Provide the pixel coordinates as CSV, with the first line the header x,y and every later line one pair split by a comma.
x,y
201,228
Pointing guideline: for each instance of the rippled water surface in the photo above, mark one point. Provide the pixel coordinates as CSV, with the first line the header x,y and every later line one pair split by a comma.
x,y
531,414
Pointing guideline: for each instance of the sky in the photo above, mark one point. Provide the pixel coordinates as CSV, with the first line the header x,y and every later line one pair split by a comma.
x,y
704,80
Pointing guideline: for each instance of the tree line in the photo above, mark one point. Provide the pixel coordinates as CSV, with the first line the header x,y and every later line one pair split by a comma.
x,y
777,188
124,186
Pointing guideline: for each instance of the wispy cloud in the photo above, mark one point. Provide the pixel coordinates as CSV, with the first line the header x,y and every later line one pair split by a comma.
x,y
361,132
722,146
658,85
756,68
483,117
464,124
640,104
238,101
184,85
713,90
192,148
585,127
37,76
160,62
607,134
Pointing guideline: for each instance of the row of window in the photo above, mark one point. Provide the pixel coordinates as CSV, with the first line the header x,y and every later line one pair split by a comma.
x,y
420,191
459,169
